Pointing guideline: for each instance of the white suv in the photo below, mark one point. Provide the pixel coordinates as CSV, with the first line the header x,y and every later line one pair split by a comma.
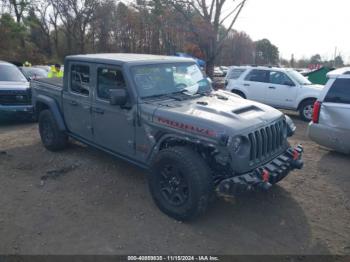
x,y
278,87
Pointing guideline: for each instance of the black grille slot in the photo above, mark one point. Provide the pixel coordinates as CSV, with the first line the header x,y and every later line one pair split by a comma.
x,y
266,141
14,97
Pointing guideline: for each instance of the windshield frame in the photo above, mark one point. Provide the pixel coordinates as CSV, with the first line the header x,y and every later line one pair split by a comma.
x,y
162,64
295,75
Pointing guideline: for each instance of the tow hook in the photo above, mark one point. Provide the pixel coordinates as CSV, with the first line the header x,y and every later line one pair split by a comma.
x,y
264,186
297,162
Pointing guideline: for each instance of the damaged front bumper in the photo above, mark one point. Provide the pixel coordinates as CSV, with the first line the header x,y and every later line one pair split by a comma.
x,y
262,178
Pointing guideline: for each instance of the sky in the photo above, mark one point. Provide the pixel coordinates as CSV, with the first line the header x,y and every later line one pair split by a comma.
x,y
299,27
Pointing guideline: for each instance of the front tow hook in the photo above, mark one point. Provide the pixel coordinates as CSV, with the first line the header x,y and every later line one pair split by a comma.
x,y
298,164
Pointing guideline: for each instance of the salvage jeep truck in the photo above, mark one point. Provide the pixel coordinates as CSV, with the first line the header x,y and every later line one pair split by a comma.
x,y
162,114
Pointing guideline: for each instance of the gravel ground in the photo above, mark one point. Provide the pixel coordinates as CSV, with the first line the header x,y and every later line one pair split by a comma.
x,y
82,201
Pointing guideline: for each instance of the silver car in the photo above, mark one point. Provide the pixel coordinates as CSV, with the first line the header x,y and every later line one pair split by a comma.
x,y
330,126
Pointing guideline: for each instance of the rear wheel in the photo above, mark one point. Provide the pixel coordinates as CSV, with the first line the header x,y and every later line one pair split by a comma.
x,y
51,136
181,183
306,109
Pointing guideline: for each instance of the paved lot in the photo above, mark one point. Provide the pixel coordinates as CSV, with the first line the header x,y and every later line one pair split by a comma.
x,y
82,201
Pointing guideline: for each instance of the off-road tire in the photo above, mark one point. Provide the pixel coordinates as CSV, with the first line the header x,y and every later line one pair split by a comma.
x,y
196,175
302,109
51,136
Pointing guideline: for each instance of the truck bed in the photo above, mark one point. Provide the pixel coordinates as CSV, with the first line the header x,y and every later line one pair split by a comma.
x,y
57,82
47,87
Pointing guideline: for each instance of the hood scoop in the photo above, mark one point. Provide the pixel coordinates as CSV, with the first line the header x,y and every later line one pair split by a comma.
x,y
247,110
202,103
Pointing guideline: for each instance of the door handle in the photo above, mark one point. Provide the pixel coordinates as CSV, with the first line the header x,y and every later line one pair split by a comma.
x,y
246,84
272,87
73,103
98,110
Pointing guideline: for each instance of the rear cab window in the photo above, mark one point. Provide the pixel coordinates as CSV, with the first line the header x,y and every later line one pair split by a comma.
x,y
339,92
80,79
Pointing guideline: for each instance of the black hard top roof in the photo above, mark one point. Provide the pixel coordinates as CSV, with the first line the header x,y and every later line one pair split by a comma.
x,y
121,58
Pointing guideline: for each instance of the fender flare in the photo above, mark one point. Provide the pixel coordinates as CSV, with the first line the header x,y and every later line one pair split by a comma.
x,y
163,138
51,103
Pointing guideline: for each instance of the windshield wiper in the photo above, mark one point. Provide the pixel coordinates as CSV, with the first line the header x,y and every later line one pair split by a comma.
x,y
164,95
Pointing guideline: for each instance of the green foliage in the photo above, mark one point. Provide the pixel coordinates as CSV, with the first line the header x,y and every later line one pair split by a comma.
x,y
266,53
11,35
45,31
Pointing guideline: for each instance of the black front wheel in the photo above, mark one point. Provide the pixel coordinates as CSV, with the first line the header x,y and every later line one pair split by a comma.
x,y
181,183
51,136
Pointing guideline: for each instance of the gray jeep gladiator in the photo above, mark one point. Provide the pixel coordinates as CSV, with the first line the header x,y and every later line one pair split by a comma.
x,y
162,114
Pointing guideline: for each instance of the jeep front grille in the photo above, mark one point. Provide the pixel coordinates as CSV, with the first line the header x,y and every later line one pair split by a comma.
x,y
267,141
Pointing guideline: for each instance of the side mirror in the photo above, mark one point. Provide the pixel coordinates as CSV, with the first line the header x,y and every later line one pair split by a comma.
x,y
119,97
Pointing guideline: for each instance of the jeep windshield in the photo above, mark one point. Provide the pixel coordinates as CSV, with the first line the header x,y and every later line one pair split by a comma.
x,y
158,80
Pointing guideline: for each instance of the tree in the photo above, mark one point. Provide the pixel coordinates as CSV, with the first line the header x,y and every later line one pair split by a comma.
x,y
12,34
76,15
266,53
284,62
238,49
205,19
303,63
292,61
338,61
19,7
316,59
39,32
48,30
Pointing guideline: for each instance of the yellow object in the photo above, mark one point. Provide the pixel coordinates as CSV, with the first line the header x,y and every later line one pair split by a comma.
x,y
27,64
55,72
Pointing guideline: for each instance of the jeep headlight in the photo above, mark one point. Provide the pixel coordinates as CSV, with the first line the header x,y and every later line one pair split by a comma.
x,y
236,143
290,126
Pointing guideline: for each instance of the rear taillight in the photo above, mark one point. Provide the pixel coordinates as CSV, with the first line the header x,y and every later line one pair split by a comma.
x,y
316,113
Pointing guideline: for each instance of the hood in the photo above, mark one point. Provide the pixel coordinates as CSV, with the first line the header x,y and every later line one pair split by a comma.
x,y
314,86
221,113
4,85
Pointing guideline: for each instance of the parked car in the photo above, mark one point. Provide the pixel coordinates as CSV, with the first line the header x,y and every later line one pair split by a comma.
x,y
161,114
224,69
277,87
15,94
330,125
218,72
33,72
44,67
339,71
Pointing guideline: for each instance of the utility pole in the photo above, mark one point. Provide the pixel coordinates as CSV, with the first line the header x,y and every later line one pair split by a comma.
x,y
335,55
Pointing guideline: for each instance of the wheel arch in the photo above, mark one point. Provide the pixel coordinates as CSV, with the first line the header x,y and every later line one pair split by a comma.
x,y
172,140
48,103
239,92
304,100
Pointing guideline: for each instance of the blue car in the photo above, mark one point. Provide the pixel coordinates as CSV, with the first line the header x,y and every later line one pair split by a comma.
x,y
15,93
